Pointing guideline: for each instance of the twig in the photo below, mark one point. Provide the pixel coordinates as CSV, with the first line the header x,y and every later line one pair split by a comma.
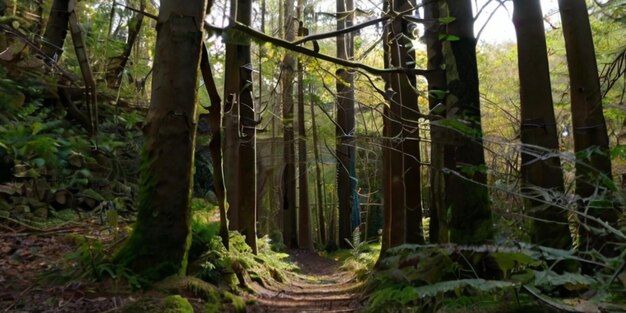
x,y
18,298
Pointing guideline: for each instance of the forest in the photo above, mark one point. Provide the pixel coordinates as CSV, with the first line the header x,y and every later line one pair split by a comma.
x,y
312,156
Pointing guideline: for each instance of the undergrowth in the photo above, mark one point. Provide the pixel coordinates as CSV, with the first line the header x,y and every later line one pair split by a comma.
x,y
361,258
442,278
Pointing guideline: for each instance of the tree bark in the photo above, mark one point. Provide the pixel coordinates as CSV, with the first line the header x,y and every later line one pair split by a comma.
x,y
386,145
345,130
470,221
304,216
56,30
288,67
318,177
541,165
241,121
215,145
234,59
160,240
411,141
591,142
118,64
438,226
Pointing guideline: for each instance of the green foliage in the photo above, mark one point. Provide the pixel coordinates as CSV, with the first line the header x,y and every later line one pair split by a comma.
x,y
420,276
362,257
176,304
217,264
91,261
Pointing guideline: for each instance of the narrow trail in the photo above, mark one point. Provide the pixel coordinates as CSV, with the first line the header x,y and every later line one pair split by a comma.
x,y
319,287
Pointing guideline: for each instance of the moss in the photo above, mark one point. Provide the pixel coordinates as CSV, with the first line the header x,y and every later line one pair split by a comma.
x,y
176,304
236,301
139,253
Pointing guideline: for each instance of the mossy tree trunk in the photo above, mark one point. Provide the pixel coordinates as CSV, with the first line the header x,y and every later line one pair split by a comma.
x,y
591,142
541,165
160,240
470,220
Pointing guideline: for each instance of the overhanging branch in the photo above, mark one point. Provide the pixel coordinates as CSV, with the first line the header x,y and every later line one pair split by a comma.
x,y
259,36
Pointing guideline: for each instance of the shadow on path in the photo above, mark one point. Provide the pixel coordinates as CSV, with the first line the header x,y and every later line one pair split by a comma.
x,y
319,287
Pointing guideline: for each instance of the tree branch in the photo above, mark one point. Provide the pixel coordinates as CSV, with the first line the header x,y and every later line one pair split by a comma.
x,y
341,31
236,26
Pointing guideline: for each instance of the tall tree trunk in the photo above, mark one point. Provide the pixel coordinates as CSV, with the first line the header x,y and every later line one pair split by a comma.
x,y
264,212
289,178
160,240
118,63
318,176
410,116
215,145
541,165
470,221
230,121
304,216
438,227
56,29
591,142
401,97
304,211
345,130
239,87
386,150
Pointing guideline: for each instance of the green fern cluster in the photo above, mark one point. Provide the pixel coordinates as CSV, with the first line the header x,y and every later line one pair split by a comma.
x,y
90,261
421,278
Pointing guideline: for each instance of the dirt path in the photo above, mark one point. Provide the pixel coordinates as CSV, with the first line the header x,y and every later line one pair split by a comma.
x,y
320,287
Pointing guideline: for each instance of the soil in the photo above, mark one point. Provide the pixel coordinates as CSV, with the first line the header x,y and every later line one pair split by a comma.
x,y
321,286
26,255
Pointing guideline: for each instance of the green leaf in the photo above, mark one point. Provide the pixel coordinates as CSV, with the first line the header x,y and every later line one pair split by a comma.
x,y
572,280
510,261
446,20
38,162
437,94
37,127
429,291
448,37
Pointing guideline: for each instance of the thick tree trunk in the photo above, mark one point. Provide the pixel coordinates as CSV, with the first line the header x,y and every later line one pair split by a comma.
x,y
541,165
345,130
56,29
591,142
470,222
438,227
289,178
160,241
234,59
241,121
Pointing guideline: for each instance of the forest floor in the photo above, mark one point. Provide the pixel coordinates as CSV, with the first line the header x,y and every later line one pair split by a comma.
x,y
34,277
321,286
29,266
